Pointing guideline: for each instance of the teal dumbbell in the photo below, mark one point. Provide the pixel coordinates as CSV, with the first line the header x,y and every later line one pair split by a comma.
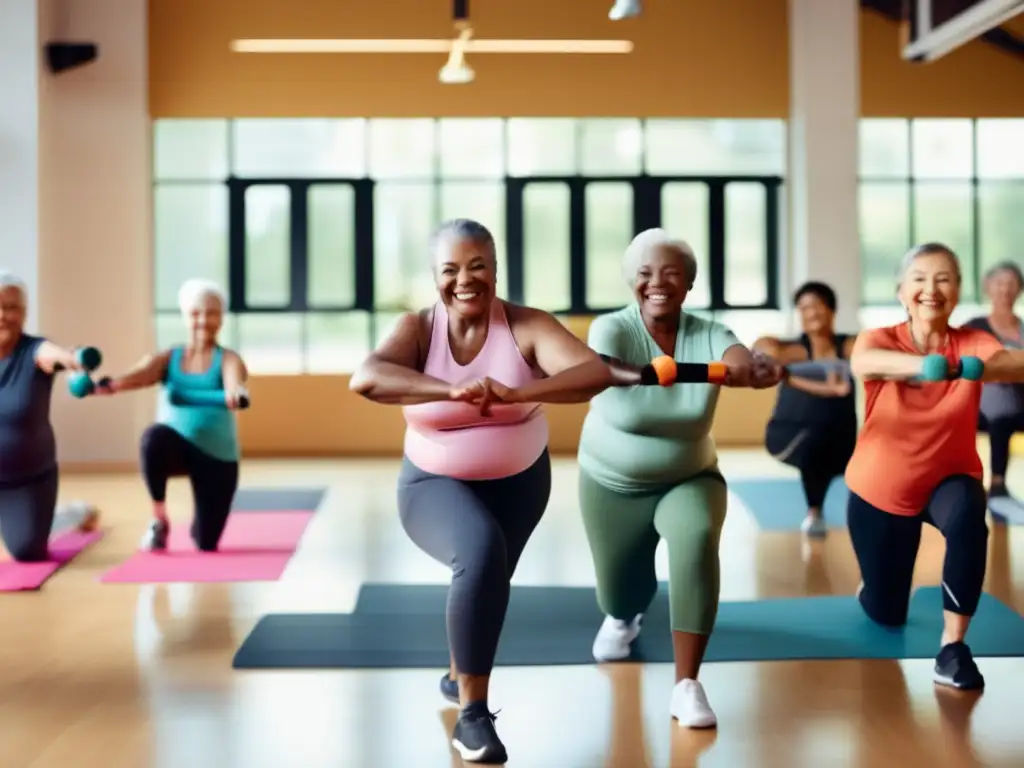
x,y
82,385
89,358
971,368
934,368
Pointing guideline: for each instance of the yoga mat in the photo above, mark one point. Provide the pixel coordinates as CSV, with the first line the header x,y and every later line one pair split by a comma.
x,y
403,626
778,504
253,548
21,577
278,499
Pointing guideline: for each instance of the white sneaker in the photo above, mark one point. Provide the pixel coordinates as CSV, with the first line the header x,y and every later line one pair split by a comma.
x,y
690,705
624,9
814,527
615,637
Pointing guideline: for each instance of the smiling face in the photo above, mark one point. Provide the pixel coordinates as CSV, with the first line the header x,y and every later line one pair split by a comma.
x,y
816,317
930,289
1003,289
661,282
12,315
204,319
465,272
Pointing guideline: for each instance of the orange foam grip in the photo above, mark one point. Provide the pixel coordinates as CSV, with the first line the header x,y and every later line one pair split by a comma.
x,y
717,373
665,368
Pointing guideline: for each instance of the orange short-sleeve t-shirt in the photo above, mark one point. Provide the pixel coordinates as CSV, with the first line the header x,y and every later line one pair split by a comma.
x,y
914,437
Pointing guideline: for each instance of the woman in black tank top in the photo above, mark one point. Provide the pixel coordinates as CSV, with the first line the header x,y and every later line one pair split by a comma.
x,y
814,425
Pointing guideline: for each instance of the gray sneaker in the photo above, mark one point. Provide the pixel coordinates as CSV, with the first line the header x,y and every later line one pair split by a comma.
x,y
156,537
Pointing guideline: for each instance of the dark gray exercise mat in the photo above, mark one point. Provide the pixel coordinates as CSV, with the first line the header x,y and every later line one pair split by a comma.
x,y
278,499
403,626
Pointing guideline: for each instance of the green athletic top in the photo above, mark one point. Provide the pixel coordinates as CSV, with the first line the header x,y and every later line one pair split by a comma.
x,y
644,438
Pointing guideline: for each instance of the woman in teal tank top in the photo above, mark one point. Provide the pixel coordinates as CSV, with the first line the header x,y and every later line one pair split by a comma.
x,y
196,441
649,467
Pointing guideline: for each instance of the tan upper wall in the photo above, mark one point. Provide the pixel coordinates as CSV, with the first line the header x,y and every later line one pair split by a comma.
x,y
718,58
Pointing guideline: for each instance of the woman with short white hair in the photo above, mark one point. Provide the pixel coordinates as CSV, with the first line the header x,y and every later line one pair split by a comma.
x,y
649,468
199,441
29,474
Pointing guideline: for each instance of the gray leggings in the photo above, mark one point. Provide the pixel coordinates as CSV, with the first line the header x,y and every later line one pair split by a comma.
x,y
26,517
479,528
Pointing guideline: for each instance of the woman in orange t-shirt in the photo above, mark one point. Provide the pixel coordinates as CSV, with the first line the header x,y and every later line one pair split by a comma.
x,y
916,459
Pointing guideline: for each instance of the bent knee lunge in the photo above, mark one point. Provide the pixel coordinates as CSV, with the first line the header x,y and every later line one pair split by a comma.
x,y
690,519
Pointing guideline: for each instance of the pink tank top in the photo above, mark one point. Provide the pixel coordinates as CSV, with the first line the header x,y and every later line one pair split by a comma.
x,y
453,439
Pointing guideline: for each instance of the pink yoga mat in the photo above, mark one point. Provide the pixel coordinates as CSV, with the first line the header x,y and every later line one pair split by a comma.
x,y
253,548
20,577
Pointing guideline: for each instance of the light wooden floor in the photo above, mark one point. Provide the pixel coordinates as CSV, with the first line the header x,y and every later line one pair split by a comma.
x,y
112,676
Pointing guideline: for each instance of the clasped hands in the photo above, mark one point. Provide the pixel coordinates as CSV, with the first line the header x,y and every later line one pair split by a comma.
x,y
483,392
762,372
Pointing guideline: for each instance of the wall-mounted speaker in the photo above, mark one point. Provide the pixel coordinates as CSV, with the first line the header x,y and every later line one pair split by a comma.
x,y
61,57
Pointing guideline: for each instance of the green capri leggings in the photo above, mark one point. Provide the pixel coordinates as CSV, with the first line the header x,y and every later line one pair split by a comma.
x,y
624,530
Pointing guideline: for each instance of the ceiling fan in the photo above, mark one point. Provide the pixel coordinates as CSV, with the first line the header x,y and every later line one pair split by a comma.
x,y
456,70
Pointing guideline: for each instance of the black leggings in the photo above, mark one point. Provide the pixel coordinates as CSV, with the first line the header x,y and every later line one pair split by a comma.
x,y
166,454
999,433
26,517
478,528
820,453
886,547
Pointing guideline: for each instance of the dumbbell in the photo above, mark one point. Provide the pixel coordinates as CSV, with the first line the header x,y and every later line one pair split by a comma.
x,y
936,367
204,397
82,385
89,358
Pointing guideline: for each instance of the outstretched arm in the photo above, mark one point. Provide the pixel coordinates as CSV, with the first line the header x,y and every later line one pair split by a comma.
x,y
873,359
148,372
391,375
51,357
574,372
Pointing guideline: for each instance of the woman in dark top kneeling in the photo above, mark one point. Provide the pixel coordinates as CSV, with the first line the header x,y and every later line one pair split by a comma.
x,y
28,449
814,425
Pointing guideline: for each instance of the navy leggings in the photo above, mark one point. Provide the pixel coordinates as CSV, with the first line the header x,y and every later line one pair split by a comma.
x,y
886,547
479,528
820,452
27,510
166,454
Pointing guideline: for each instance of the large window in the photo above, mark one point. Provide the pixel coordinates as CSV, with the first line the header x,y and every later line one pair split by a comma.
x,y
319,228
956,181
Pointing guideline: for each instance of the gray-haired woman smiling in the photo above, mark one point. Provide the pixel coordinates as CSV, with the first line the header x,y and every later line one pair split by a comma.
x,y
29,474
1002,405
649,467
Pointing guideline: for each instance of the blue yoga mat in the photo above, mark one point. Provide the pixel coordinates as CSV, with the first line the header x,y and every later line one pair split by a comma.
x,y
403,626
778,504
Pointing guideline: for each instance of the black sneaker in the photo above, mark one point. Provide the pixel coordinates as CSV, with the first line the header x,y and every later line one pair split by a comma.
x,y
955,667
450,688
156,537
474,737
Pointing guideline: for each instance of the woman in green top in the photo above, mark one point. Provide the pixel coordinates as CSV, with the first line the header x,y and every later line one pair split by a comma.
x,y
649,468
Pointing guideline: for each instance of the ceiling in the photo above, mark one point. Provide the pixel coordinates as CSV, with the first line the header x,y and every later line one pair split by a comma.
x,y
1009,37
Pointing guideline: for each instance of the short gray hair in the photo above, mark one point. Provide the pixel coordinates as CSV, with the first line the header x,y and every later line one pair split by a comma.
x,y
1006,266
11,280
646,242
463,229
927,249
192,292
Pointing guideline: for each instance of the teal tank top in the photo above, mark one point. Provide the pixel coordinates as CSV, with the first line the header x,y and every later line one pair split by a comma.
x,y
211,429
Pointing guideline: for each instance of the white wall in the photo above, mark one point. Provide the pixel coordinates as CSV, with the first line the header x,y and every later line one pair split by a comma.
x,y
95,263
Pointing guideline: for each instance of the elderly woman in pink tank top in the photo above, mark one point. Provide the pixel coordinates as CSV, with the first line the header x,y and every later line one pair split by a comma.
x,y
473,487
